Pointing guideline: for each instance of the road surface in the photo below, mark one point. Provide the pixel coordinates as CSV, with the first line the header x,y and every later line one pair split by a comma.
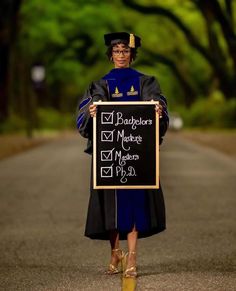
x,y
43,202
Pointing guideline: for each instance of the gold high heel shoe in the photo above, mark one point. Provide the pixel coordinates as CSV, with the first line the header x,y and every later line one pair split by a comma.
x,y
132,271
112,269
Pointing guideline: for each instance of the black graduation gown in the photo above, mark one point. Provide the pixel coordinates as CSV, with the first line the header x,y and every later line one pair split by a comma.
x,y
102,209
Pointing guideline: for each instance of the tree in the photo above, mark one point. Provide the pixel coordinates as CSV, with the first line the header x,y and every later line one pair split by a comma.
x,y
9,11
189,92
214,16
65,37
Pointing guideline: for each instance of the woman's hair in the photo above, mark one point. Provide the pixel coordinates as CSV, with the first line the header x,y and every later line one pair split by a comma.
x,y
133,51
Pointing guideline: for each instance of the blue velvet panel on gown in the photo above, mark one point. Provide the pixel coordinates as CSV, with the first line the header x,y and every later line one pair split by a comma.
x,y
132,205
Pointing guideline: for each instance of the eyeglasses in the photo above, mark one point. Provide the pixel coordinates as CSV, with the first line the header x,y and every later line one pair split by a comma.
x,y
124,52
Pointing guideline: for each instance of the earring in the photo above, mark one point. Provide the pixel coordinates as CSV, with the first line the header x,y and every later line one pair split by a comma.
x,y
111,59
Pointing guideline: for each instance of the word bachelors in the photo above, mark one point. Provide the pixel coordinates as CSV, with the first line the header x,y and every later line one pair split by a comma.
x,y
123,156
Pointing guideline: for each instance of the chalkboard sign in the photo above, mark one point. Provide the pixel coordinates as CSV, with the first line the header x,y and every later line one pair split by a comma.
x,y
126,145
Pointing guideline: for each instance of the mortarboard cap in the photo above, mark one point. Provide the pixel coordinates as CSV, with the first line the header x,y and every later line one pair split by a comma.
x,y
133,40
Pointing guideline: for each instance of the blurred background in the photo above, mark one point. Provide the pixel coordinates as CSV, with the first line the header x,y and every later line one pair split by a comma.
x,y
49,53
51,50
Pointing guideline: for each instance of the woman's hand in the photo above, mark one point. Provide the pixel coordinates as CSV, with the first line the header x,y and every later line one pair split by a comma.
x,y
158,108
93,110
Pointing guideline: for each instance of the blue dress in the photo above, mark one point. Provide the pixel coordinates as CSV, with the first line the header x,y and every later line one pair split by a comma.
x,y
132,204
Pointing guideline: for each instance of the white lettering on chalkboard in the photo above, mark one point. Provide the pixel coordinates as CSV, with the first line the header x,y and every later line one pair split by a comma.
x,y
122,136
107,135
123,158
130,138
107,117
107,172
131,121
107,155
130,172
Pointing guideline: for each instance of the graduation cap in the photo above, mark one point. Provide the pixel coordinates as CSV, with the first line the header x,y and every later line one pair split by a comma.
x,y
133,40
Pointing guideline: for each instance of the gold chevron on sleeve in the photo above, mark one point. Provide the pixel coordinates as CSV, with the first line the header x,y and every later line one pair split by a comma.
x,y
132,91
117,93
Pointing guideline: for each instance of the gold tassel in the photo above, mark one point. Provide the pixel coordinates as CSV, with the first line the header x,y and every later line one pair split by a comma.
x,y
131,41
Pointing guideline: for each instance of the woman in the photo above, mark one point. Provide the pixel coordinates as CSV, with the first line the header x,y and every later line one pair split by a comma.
x,y
121,214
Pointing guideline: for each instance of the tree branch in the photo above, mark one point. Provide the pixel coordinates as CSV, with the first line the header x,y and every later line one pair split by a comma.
x,y
190,93
214,46
224,22
225,77
229,11
177,21
212,11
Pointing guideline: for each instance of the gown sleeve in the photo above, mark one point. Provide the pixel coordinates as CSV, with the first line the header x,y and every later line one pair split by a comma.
x,y
95,92
150,90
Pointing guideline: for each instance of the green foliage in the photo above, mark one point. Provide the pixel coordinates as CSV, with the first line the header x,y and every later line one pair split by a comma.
x,y
67,37
49,118
211,112
230,114
14,123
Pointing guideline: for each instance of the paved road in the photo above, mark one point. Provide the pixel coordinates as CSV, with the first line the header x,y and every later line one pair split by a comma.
x,y
43,201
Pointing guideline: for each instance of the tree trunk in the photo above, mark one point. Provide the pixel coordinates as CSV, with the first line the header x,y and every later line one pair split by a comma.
x,y
4,56
213,13
8,32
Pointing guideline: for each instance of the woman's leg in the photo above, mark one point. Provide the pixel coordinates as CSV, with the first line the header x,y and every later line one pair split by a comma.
x,y
115,252
132,246
114,239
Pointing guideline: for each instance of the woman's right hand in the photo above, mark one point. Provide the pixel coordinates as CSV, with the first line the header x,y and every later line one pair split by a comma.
x,y
93,110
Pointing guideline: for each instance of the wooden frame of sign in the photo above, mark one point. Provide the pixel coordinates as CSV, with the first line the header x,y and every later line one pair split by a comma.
x,y
125,163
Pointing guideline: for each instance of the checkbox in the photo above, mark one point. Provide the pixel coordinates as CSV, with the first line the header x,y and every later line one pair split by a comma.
x,y
107,172
107,117
107,155
107,136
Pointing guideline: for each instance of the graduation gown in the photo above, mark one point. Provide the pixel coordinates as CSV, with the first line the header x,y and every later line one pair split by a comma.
x,y
103,209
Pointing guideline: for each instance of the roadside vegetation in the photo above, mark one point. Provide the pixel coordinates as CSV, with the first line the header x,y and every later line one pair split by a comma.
x,y
52,50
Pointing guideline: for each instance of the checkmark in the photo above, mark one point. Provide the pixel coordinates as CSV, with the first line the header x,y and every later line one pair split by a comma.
x,y
106,172
106,155
107,136
107,117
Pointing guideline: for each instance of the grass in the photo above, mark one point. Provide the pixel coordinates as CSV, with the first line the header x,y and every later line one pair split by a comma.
x,y
11,144
223,140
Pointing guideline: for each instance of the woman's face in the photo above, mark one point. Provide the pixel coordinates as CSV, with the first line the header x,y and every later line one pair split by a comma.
x,y
121,55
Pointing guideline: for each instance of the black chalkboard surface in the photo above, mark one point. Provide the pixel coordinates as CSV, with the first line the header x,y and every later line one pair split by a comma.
x,y
126,145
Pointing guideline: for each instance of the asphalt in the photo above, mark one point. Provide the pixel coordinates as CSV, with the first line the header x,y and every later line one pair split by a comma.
x,y
43,203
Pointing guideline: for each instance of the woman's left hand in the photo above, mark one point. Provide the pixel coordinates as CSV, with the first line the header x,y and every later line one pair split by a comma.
x,y
158,108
